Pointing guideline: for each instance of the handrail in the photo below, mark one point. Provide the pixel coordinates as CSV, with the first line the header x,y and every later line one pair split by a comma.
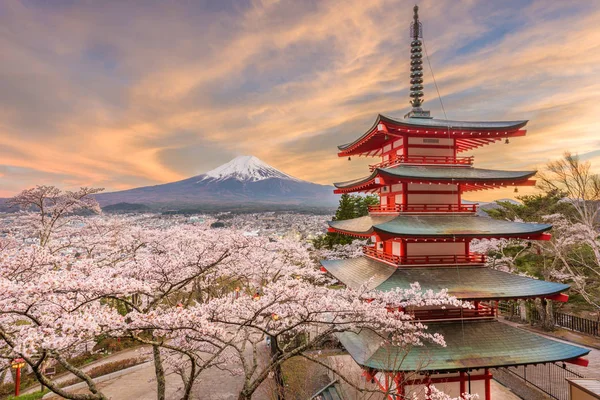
x,y
441,160
423,208
471,258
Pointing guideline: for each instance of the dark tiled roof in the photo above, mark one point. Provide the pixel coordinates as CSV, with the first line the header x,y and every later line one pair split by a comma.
x,y
450,174
464,282
333,391
442,123
361,225
438,226
470,345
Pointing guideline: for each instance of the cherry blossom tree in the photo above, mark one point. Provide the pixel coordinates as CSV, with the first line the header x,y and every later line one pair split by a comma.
x,y
201,298
576,237
53,205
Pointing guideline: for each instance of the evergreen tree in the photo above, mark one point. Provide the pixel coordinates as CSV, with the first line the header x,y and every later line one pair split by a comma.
x,y
350,206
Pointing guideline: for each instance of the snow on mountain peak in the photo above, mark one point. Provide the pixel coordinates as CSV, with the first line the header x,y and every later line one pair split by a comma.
x,y
246,168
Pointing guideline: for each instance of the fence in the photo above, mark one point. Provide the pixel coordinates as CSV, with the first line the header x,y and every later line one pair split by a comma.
x,y
549,378
568,321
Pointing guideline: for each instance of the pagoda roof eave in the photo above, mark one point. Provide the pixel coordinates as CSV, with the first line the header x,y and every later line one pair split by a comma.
x,y
507,128
464,282
469,346
362,226
439,175
439,226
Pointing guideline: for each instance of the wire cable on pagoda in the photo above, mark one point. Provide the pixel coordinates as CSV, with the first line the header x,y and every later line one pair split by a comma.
x,y
454,214
436,86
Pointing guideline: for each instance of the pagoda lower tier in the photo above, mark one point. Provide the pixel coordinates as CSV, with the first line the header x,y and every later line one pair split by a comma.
x,y
432,179
470,346
476,283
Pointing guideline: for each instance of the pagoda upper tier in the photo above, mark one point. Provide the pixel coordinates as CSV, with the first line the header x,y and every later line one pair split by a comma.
x,y
438,227
463,135
462,178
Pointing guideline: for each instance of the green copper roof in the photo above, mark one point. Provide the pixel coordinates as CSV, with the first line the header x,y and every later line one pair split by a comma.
x,y
416,123
470,345
464,282
438,226
449,174
361,225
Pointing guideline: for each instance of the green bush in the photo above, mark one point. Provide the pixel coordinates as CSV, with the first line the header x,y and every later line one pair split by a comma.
x,y
107,368
30,396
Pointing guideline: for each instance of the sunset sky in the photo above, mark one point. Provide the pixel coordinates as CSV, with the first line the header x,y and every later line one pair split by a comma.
x,y
120,94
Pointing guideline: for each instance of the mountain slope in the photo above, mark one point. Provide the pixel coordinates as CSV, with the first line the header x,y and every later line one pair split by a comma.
x,y
245,180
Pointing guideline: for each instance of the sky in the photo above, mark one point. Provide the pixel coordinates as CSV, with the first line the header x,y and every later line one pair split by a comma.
x,y
121,94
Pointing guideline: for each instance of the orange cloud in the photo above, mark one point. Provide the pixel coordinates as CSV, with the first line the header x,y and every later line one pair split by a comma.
x,y
124,96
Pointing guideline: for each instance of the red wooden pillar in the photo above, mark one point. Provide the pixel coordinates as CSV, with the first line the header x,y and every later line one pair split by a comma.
x,y
463,383
18,382
399,381
488,384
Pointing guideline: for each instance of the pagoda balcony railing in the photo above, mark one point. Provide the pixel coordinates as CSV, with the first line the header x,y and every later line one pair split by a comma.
x,y
448,314
423,208
436,160
471,258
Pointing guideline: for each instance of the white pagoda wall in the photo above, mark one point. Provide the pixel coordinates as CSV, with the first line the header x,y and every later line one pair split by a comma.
x,y
434,150
435,249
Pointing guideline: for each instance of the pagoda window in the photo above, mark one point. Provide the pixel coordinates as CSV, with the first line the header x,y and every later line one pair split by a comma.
x,y
398,199
430,141
387,148
431,151
420,187
383,200
396,248
433,198
397,144
397,187
380,246
435,249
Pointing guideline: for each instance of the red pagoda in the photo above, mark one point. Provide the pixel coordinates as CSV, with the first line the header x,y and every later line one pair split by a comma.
x,y
421,232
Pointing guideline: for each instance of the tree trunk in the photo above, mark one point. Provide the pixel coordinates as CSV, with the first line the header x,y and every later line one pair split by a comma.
x,y
277,373
550,322
523,310
540,306
160,373
243,396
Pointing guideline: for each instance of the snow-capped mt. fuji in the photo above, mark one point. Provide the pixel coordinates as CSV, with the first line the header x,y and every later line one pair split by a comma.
x,y
246,169
244,181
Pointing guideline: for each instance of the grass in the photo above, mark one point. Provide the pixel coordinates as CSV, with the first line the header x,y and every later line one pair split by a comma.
x,y
31,396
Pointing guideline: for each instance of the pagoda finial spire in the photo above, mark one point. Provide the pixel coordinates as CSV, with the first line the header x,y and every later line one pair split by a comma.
x,y
416,61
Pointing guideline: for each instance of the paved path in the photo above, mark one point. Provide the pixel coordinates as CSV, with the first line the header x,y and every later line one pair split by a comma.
x,y
212,384
138,352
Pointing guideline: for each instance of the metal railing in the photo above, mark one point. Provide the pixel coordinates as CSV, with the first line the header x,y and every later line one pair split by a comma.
x,y
549,378
471,258
435,160
568,321
424,208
